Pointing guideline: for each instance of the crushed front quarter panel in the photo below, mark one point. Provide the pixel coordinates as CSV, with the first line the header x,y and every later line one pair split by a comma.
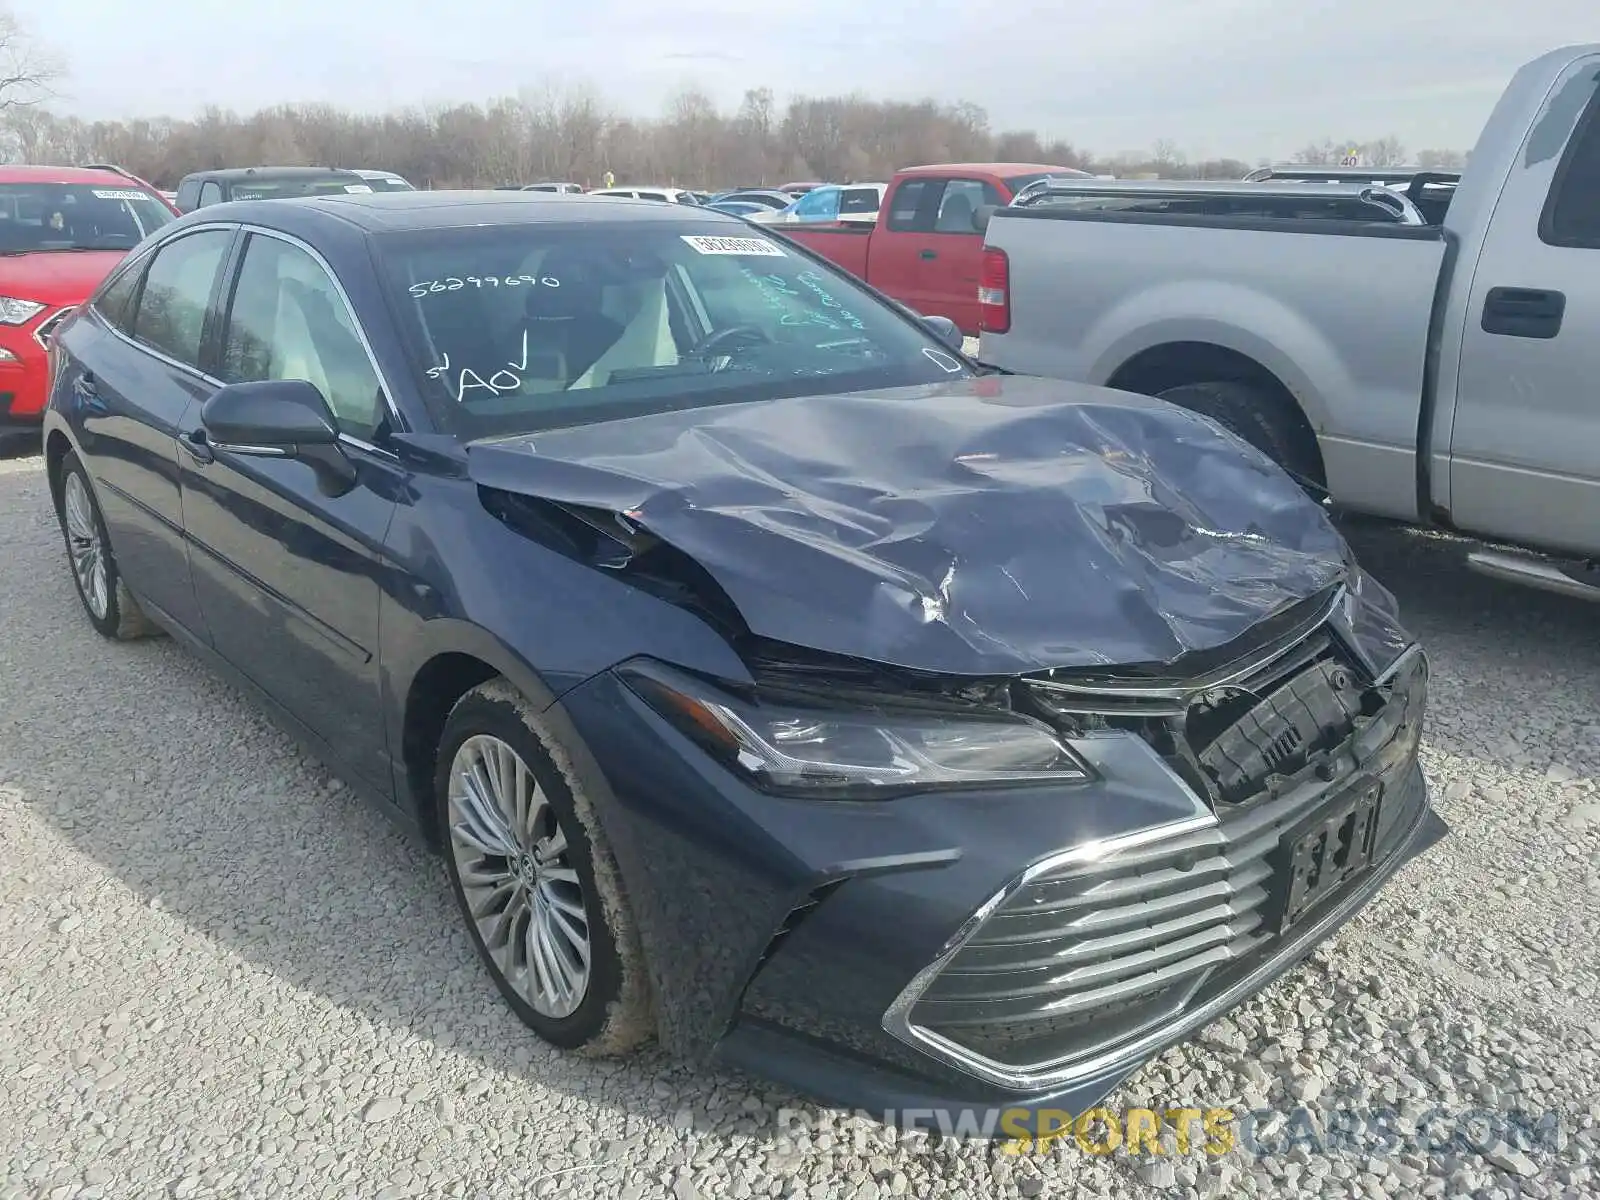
x,y
987,526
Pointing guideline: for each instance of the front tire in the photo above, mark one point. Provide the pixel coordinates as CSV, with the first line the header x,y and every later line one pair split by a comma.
x,y
535,881
107,603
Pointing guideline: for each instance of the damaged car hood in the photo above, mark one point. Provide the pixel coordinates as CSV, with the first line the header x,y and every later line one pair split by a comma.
x,y
996,525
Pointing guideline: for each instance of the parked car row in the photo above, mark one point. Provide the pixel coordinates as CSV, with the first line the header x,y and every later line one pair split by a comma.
x,y
1009,729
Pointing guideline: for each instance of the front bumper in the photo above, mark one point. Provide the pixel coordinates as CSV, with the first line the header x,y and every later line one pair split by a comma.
x,y
808,942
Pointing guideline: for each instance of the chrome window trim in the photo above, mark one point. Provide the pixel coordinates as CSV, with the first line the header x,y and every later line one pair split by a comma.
x,y
1128,1054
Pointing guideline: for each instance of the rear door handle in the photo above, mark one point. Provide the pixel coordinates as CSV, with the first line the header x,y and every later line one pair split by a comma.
x,y
195,444
1523,312
930,254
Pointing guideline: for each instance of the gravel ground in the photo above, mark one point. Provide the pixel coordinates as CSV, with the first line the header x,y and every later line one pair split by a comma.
x,y
224,976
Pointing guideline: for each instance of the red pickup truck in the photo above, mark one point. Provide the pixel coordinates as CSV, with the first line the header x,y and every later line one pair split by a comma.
x,y
924,250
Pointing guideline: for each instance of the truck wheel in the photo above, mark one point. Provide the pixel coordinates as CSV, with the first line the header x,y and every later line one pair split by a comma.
x,y
1259,417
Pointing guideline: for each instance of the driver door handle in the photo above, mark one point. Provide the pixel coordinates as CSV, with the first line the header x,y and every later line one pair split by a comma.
x,y
930,254
198,448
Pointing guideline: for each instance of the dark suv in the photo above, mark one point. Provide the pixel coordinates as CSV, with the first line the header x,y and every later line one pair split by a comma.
x,y
264,183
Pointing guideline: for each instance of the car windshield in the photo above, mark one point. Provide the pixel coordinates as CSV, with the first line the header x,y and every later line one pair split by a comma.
x,y
525,327
269,188
77,216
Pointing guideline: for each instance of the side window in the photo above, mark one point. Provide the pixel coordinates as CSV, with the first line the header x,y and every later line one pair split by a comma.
x,y
1572,213
818,204
962,198
115,302
177,289
188,195
908,203
288,321
650,195
859,200
210,193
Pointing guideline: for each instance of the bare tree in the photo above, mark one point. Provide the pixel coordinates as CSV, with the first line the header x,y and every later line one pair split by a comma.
x,y
26,69
564,131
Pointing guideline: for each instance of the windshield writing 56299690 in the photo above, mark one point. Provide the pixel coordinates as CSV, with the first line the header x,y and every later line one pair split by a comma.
x,y
455,283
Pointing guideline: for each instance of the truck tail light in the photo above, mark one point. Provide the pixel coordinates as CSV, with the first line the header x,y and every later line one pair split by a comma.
x,y
994,291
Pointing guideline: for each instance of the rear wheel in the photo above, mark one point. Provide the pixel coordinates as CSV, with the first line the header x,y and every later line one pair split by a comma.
x,y
1260,417
109,605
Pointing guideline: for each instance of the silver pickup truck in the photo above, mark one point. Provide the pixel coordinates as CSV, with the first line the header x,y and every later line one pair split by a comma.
x,y
1426,349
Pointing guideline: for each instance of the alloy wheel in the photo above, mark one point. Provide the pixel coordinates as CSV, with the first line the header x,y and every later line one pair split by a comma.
x,y
521,888
85,546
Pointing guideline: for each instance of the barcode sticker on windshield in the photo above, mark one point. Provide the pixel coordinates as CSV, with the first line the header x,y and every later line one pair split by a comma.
x,y
118,193
734,245
358,188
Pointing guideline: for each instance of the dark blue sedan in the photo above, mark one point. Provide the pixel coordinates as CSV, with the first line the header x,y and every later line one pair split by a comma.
x,y
773,678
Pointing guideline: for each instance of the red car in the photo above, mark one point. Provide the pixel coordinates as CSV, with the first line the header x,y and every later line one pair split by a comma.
x,y
62,229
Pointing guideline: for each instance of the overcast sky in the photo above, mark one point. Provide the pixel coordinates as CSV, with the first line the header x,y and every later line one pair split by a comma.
x,y
1249,78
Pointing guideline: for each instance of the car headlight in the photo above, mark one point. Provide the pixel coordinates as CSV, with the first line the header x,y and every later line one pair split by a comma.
x,y
18,312
793,744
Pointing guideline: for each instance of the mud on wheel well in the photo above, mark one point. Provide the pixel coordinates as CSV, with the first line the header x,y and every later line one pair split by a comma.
x,y
1161,368
434,692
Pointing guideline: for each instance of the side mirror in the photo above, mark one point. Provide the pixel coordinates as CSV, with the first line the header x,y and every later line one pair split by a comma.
x,y
946,330
273,417
279,418
981,215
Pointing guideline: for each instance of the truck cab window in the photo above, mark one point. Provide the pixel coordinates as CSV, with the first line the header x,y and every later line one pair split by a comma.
x,y
1572,213
907,203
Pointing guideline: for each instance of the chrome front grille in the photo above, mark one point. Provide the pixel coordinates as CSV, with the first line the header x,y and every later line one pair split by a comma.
x,y
47,327
1097,951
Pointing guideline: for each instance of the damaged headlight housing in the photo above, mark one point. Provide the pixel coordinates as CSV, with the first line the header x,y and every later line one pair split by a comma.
x,y
793,745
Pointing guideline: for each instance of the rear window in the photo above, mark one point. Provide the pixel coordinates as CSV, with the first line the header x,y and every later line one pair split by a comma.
x,y
77,216
268,188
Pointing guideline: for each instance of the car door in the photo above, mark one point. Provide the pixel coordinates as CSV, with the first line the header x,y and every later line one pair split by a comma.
x,y
131,374
286,575
952,258
1525,441
901,238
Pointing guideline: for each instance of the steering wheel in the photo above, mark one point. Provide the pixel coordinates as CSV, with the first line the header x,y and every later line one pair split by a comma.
x,y
719,341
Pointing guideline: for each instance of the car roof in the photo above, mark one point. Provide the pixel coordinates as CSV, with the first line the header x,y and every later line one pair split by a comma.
x,y
36,174
386,212
232,173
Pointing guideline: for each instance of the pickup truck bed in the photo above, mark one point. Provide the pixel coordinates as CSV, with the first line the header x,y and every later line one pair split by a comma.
x,y
1432,361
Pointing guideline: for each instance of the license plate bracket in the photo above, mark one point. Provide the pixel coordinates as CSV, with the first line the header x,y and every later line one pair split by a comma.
x,y
1324,851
